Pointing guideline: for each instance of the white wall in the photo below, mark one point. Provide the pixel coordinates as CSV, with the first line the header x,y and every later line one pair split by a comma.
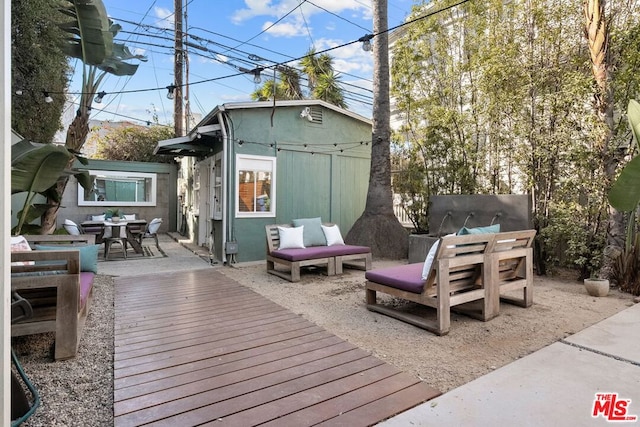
x,y
5,185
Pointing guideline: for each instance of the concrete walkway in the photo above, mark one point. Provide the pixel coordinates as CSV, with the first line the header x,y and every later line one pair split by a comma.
x,y
179,257
555,386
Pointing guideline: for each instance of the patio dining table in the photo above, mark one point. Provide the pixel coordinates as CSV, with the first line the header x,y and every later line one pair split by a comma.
x,y
132,228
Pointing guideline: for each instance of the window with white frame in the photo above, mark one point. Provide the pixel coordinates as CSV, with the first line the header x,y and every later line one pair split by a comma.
x,y
114,188
255,186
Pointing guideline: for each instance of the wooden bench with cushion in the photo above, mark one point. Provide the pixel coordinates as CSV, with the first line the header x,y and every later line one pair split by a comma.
x,y
332,257
59,292
455,278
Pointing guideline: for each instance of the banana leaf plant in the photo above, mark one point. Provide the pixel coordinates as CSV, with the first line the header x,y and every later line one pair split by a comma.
x,y
91,39
35,169
625,191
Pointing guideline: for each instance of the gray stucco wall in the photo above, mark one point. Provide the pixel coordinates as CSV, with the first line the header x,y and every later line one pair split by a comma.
x,y
448,213
166,194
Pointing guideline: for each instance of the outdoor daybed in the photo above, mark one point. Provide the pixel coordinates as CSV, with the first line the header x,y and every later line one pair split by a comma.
x,y
308,242
57,280
467,273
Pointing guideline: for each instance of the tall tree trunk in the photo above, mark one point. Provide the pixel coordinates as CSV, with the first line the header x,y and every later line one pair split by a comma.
x,y
378,227
76,136
597,33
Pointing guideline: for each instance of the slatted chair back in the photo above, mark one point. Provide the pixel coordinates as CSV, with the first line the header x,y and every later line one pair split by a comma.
x,y
510,250
459,261
273,236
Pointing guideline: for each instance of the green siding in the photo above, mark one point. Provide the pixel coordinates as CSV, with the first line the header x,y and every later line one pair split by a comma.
x,y
329,183
303,189
350,190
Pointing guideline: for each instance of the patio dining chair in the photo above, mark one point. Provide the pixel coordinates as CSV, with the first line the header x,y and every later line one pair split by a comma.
x,y
76,229
151,231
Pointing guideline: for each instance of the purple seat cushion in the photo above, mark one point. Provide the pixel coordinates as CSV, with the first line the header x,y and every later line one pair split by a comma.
x,y
86,282
315,252
406,277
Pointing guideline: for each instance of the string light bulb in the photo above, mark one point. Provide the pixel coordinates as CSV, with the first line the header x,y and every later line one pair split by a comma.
x,y
170,91
99,97
47,98
257,79
366,42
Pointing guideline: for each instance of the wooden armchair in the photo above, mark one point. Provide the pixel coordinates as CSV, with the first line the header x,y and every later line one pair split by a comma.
x,y
457,279
510,266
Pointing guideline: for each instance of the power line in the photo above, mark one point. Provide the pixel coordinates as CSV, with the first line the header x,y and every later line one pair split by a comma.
x,y
338,16
104,110
202,48
205,40
272,25
275,65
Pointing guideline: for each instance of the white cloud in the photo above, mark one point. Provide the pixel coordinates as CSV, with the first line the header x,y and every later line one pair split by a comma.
x,y
347,59
165,17
284,29
338,6
257,8
254,8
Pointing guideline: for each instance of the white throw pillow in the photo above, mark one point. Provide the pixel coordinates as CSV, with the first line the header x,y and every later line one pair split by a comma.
x,y
71,227
506,248
20,243
332,234
131,217
291,237
431,256
97,217
429,260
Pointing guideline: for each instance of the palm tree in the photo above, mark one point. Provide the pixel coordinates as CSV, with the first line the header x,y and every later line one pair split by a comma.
x,y
290,83
378,226
288,88
328,90
266,92
91,40
315,66
323,82
598,36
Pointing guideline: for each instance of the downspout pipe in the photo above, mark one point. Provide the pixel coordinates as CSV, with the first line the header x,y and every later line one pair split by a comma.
x,y
226,138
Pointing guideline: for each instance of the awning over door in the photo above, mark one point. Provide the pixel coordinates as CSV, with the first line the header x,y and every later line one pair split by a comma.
x,y
184,146
198,143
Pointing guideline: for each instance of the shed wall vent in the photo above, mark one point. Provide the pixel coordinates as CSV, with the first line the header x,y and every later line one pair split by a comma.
x,y
316,115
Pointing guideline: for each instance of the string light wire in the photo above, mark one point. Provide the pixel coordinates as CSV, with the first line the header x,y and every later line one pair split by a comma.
x,y
274,66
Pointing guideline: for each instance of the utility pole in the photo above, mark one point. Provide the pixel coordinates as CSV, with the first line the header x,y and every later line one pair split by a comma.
x,y
178,113
187,100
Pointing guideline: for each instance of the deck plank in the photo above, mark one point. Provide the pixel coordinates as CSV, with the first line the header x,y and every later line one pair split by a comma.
x,y
196,347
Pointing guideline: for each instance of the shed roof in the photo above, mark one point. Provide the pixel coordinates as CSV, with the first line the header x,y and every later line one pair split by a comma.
x,y
191,145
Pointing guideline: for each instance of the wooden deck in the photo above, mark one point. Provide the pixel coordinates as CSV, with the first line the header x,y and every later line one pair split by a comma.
x,y
196,348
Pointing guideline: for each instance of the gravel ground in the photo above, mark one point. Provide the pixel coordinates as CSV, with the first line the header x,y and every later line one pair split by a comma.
x,y
79,392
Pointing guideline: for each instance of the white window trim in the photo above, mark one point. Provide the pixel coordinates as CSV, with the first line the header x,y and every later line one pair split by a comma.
x,y
152,202
272,213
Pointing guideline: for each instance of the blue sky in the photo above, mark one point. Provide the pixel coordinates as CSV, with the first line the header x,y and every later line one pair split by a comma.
x,y
227,34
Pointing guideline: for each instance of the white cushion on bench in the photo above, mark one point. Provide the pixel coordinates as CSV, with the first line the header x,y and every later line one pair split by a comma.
x,y
429,260
332,234
291,237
